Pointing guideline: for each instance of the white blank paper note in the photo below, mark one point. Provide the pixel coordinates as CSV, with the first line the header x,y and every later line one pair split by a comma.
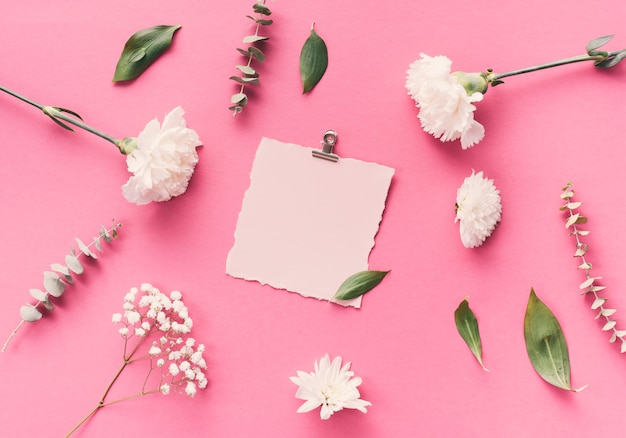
x,y
306,224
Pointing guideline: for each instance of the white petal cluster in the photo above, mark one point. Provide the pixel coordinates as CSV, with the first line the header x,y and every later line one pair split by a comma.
x,y
154,313
163,161
330,386
478,209
446,109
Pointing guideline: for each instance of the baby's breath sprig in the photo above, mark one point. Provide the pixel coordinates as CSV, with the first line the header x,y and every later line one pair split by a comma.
x,y
149,314
590,285
59,277
249,76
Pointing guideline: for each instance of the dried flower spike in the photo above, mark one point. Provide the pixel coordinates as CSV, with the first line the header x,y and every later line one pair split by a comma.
x,y
249,76
59,277
590,284
150,315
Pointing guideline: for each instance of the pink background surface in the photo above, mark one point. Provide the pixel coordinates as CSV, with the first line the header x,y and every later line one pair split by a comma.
x,y
541,131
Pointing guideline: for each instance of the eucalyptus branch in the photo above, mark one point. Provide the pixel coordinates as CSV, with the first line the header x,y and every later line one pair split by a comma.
x,y
60,276
590,284
249,75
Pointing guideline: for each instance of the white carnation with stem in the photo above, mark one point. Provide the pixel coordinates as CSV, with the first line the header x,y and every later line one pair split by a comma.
x,y
162,158
155,329
478,209
446,99
330,386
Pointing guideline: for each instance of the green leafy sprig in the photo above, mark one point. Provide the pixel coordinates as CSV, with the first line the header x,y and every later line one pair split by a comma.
x,y
591,284
59,277
249,76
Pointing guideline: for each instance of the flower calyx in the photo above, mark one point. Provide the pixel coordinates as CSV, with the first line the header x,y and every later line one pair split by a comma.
x,y
472,82
126,145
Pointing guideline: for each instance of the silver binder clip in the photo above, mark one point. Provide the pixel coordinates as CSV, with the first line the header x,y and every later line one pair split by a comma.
x,y
328,143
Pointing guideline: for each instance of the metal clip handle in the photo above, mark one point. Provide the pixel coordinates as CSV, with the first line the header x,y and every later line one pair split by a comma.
x,y
328,143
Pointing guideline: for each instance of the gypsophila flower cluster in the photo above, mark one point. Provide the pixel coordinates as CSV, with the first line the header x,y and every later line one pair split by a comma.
x,y
330,386
478,209
591,284
175,353
150,315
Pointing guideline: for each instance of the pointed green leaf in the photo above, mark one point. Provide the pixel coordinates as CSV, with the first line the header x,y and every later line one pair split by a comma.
x,y
359,284
598,42
142,49
313,61
545,344
467,325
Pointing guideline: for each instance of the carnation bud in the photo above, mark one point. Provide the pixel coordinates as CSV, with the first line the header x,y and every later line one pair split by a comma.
x,y
472,82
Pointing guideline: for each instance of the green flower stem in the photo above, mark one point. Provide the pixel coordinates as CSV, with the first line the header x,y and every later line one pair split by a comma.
x,y
57,114
60,114
596,58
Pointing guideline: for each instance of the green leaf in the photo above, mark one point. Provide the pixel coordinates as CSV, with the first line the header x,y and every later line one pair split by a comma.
x,y
598,42
254,38
53,284
260,8
245,80
142,49
545,344
313,61
29,313
261,21
71,260
246,70
467,325
239,99
610,62
359,284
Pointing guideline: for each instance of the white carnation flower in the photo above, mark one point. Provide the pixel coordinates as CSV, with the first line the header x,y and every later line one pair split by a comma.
x,y
329,386
478,209
163,161
446,100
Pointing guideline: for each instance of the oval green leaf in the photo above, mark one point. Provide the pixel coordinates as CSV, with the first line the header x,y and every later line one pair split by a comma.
x,y
313,61
467,325
359,284
545,344
53,284
142,49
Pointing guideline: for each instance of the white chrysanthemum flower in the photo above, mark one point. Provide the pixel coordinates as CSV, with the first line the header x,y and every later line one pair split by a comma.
x,y
154,351
133,317
163,161
117,317
478,208
446,106
329,386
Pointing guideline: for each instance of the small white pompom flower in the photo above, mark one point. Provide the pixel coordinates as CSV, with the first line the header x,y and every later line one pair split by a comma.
x,y
478,209
329,386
